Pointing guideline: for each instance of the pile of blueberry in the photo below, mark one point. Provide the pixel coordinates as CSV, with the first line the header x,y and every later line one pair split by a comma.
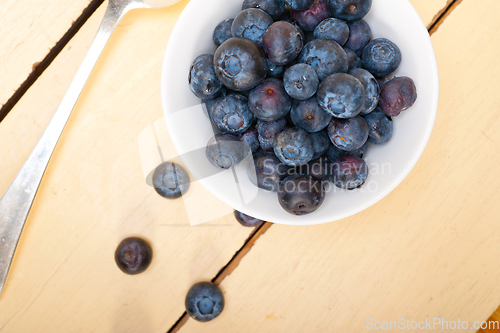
x,y
303,84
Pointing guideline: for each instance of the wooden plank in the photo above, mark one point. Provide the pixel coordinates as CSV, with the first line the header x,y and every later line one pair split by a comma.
x,y
430,10
64,278
423,252
29,30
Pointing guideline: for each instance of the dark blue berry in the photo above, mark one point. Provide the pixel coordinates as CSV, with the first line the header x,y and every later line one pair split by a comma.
x,y
247,220
231,114
348,134
321,143
320,168
225,151
398,95
372,89
250,137
379,127
333,153
170,180
275,8
294,146
203,81
333,29
349,172
222,32
300,194
268,131
239,64
133,255
381,57
309,115
274,70
360,34
282,42
298,4
251,23
204,301
325,56
361,152
341,95
352,59
269,171
349,10
269,100
301,81
309,18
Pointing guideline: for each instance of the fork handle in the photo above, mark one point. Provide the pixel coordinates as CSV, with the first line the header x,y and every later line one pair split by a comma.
x,y
16,202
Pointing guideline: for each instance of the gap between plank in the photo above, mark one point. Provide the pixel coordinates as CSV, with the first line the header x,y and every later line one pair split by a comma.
x,y
442,15
40,67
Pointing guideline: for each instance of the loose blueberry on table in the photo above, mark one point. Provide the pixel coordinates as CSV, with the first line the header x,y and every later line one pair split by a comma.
x,y
204,301
247,220
133,255
170,180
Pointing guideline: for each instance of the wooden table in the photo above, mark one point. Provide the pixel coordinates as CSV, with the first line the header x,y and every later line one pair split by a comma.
x,y
430,249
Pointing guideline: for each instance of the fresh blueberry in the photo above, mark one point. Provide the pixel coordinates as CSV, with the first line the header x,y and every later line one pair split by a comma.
x,y
352,59
301,81
309,18
361,152
348,134
349,172
294,146
274,70
372,89
309,37
133,255
225,151
381,57
231,114
250,137
275,8
170,180
251,23
204,301
269,100
360,34
325,56
321,143
382,81
379,126
309,115
320,168
333,153
268,131
223,32
333,29
349,10
240,64
247,220
298,4
398,95
269,171
300,194
341,95
282,42
203,81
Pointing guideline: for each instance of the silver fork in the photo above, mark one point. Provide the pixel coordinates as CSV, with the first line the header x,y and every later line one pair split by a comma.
x,y
16,202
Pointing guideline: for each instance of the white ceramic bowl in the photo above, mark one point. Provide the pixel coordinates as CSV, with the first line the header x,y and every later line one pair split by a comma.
x,y
389,164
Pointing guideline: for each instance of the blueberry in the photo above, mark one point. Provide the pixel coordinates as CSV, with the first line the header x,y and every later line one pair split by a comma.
x,y
320,168
333,153
170,180
223,32
204,301
239,64
361,152
372,89
268,131
207,104
349,172
250,137
251,23
360,34
309,37
301,81
275,8
341,95
348,134
247,220
309,18
382,81
300,194
321,143
294,146
398,95
325,56
333,29
269,100
231,114
298,4
349,10
225,151
274,70
269,171
282,42
381,57
203,81
352,59
379,126
133,255
309,115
